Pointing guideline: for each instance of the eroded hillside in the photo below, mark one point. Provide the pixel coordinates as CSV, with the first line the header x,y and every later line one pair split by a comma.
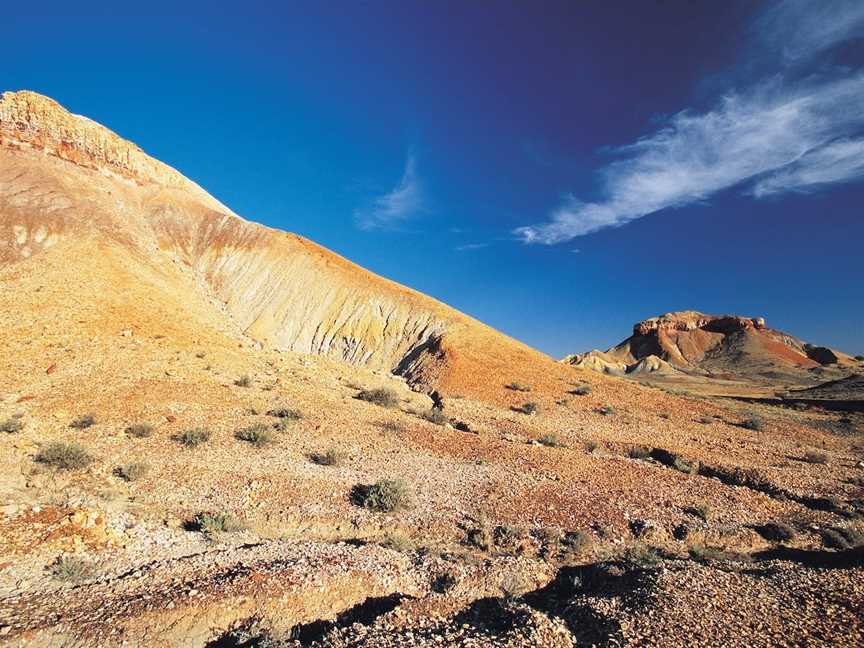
x,y
65,178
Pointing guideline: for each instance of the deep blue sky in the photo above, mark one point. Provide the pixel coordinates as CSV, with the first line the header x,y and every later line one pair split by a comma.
x,y
398,133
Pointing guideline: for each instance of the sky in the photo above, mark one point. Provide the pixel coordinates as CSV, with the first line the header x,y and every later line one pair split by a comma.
x,y
558,170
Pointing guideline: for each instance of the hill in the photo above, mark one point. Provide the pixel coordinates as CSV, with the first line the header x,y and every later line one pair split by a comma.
x,y
699,349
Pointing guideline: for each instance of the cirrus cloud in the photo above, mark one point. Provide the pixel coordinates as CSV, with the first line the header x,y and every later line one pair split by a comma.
x,y
398,205
780,136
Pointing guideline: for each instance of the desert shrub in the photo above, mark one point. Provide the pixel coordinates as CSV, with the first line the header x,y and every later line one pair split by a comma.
x,y
664,415
581,390
480,536
706,420
139,430
517,386
435,416
384,496
514,584
331,457
639,452
691,467
244,381
382,396
702,511
776,531
859,358
71,569
12,425
642,556
285,414
676,461
702,553
590,446
507,536
550,540
551,440
194,437
528,408
391,426
397,542
575,543
65,456
259,435
814,457
83,422
606,410
443,583
132,471
752,423
215,522
843,538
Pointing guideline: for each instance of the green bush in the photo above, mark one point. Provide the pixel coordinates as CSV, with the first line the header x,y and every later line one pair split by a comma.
x,y
259,435
216,522
83,422
65,456
132,471
140,430
71,569
194,437
381,396
384,496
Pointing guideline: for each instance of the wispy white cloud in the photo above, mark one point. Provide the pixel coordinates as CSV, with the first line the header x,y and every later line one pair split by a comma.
x,y
470,246
840,161
776,138
402,203
798,29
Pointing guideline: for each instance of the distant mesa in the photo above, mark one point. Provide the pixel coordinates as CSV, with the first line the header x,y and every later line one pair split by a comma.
x,y
719,346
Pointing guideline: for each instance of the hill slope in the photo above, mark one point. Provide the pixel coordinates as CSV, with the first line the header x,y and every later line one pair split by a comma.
x,y
67,180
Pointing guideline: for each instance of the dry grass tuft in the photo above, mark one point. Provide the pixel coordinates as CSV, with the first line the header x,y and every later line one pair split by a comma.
x,y
65,456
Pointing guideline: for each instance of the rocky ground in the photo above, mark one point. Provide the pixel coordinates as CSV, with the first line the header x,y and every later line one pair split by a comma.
x,y
561,527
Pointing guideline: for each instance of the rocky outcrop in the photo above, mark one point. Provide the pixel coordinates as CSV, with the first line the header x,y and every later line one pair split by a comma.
x,y
32,121
708,345
692,320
